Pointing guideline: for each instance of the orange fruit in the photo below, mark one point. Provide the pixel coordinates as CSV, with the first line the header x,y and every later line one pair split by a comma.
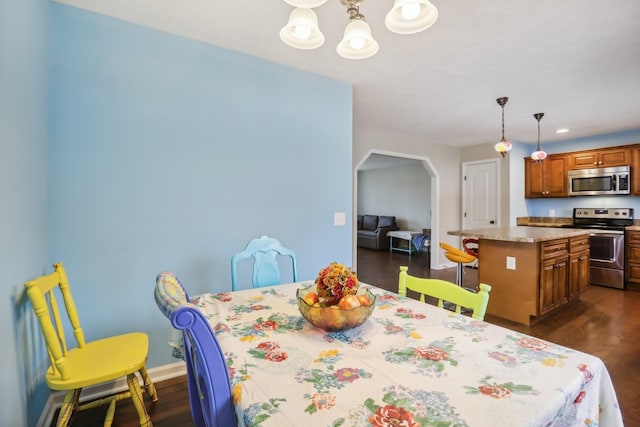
x,y
348,301
363,299
311,298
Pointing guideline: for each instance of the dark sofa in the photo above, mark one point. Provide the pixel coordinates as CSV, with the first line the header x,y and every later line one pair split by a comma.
x,y
372,231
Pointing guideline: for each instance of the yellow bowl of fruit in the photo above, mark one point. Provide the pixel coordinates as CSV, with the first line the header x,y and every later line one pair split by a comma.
x,y
350,312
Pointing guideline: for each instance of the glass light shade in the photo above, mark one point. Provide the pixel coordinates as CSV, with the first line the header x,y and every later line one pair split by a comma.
x,y
398,19
503,147
307,4
538,155
302,30
358,43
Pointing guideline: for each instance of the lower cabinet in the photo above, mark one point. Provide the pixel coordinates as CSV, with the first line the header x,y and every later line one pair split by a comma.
x,y
554,274
564,271
632,258
542,277
578,266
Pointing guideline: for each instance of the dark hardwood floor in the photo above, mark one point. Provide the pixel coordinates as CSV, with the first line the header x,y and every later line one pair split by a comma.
x,y
604,322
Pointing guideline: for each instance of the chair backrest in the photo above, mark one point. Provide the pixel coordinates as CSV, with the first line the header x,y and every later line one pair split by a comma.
x,y
42,294
265,266
209,386
445,291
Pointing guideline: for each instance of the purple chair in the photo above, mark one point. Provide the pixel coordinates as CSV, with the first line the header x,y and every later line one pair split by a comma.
x,y
208,379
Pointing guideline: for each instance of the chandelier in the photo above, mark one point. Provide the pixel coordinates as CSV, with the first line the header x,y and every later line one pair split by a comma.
x,y
503,146
405,17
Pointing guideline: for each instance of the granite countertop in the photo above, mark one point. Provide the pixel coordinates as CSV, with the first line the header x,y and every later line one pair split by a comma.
x,y
521,234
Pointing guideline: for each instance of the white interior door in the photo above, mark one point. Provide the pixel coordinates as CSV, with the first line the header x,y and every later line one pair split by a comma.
x,y
481,194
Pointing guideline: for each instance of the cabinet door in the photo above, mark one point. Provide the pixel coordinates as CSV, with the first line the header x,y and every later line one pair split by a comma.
x,y
533,179
556,174
578,274
547,178
553,284
632,257
584,160
602,158
614,157
635,171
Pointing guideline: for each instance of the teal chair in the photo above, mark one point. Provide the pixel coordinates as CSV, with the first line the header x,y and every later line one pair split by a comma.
x,y
445,291
265,264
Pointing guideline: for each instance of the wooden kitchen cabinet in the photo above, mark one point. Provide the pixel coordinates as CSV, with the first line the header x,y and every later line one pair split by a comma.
x,y
578,266
547,178
602,158
635,170
543,276
554,274
632,258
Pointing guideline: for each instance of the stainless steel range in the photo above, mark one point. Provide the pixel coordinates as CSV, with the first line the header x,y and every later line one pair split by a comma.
x,y
606,241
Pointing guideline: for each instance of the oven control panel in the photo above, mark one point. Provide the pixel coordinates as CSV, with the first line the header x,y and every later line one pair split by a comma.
x,y
603,213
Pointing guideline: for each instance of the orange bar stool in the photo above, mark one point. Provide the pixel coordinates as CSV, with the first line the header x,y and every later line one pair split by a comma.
x,y
459,257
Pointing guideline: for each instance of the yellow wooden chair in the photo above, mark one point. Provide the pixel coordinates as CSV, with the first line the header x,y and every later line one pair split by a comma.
x,y
445,291
89,363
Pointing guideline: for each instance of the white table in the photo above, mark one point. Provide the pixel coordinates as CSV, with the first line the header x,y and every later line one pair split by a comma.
x,y
405,235
410,363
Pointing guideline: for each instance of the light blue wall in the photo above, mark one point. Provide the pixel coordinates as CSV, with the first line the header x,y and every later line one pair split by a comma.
x,y
564,207
24,67
162,153
169,154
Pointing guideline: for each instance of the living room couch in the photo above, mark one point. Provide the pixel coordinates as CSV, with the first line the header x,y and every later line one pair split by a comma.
x,y
372,231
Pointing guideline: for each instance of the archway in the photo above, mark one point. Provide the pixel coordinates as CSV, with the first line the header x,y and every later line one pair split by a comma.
x,y
435,189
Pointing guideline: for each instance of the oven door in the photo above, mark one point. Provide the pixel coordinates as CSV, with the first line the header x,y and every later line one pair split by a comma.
x,y
607,250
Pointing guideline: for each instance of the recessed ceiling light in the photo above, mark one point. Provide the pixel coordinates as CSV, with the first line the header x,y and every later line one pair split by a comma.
x,y
562,130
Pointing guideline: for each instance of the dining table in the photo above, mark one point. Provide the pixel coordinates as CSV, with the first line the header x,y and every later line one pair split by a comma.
x,y
410,364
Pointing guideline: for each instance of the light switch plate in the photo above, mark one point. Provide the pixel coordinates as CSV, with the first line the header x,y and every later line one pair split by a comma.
x,y
339,218
511,263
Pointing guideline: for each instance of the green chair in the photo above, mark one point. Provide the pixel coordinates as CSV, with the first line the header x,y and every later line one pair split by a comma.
x,y
446,291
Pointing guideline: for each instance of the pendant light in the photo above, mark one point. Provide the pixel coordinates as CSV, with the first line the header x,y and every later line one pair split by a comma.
x,y
538,155
504,146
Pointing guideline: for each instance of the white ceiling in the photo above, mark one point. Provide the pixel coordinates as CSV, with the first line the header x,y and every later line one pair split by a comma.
x,y
578,61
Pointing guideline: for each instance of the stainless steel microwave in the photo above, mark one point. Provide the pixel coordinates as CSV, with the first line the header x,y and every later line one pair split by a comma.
x,y
601,181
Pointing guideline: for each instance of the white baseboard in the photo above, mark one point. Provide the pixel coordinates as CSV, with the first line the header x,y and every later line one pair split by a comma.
x,y
157,374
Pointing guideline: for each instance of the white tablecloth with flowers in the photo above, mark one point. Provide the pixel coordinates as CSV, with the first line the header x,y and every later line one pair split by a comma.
x,y
410,364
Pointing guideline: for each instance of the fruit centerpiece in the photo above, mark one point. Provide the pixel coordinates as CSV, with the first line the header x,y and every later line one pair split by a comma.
x,y
337,302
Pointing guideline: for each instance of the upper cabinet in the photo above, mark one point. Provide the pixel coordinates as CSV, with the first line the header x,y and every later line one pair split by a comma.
x,y
547,178
635,170
603,158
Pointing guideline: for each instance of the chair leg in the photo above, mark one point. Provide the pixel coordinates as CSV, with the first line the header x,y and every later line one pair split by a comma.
x,y
148,384
138,401
69,405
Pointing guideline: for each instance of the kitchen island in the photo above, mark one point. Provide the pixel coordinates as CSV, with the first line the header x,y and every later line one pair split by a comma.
x,y
533,271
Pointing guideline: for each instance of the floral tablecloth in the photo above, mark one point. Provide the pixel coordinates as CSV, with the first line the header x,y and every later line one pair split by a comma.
x,y
410,364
